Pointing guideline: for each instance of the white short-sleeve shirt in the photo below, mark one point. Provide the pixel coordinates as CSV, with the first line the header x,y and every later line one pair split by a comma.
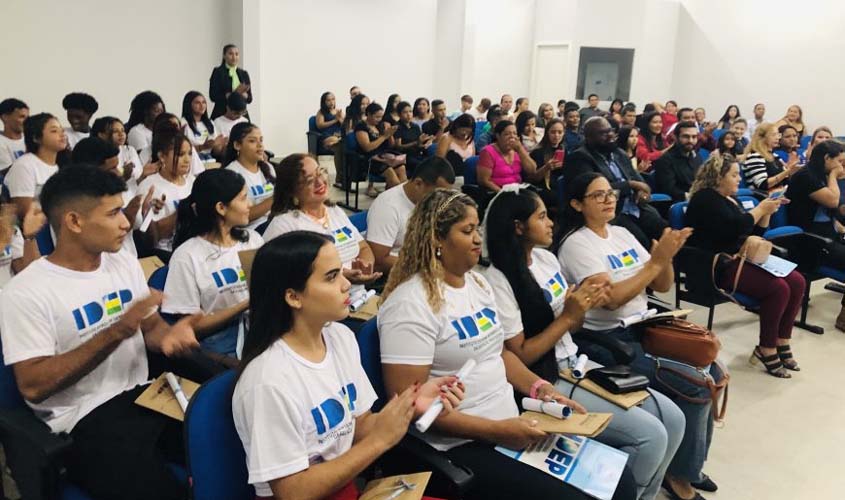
x,y
173,194
223,125
584,254
546,270
48,310
291,413
73,137
467,326
12,251
388,217
197,166
199,137
27,176
10,150
258,188
139,137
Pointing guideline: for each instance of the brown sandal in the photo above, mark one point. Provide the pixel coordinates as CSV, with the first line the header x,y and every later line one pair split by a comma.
x,y
772,363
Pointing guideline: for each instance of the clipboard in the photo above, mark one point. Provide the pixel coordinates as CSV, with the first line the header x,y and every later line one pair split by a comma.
x,y
587,425
149,264
380,489
625,401
160,398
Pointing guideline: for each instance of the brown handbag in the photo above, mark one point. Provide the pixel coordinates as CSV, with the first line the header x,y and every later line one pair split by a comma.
x,y
755,250
682,341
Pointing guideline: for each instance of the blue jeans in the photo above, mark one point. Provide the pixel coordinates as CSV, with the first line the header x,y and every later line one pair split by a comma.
x,y
650,434
692,452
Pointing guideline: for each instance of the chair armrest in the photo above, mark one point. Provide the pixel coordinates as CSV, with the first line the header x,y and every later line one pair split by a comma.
x,y
449,480
783,231
622,352
660,197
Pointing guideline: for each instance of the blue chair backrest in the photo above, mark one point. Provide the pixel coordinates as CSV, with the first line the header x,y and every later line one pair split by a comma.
x,y
704,154
779,218
560,191
368,345
648,177
678,215
312,124
470,166
44,239
351,142
479,129
359,220
158,278
216,457
429,151
744,192
742,183
718,133
805,141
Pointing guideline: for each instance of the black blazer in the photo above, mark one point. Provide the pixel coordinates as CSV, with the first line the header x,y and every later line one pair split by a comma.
x,y
674,172
220,84
585,159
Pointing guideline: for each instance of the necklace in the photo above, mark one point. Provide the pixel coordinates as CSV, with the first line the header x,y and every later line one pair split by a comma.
x,y
323,220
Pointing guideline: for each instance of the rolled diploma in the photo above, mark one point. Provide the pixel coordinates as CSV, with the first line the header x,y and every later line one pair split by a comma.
x,y
579,370
552,408
424,422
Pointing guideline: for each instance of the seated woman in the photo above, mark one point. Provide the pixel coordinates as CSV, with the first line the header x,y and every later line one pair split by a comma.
x,y
592,250
391,114
329,121
814,196
130,166
728,145
788,146
820,135
458,143
143,110
171,184
205,275
650,144
503,161
526,125
794,116
298,365
409,139
374,144
168,124
537,311
355,112
45,143
198,127
627,139
728,117
722,225
549,157
761,169
422,111
545,113
245,156
301,202
436,314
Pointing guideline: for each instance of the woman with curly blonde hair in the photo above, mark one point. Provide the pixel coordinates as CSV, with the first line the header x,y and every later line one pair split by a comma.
x,y
436,315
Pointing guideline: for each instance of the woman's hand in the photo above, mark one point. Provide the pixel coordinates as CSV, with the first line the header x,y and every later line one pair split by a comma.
x,y
339,115
33,220
361,273
449,390
663,251
593,292
770,205
548,393
392,422
516,433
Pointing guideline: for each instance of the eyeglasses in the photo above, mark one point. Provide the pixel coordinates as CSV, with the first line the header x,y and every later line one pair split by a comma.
x,y
603,196
321,173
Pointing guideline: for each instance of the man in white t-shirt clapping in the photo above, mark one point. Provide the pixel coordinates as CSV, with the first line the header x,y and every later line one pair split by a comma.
x,y
75,329
389,213
13,112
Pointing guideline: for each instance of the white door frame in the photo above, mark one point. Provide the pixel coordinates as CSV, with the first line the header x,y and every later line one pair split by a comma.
x,y
570,88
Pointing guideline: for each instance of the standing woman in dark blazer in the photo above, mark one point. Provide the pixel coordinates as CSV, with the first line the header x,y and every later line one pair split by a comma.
x,y
228,78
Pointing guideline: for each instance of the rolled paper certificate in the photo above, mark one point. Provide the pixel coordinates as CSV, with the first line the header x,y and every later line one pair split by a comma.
x,y
177,390
580,368
145,224
552,408
424,422
361,299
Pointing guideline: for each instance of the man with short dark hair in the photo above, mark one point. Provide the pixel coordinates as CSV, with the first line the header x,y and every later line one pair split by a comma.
x,y
592,108
600,154
235,111
629,115
389,213
674,171
759,118
561,108
76,326
436,126
572,137
80,108
13,112
494,116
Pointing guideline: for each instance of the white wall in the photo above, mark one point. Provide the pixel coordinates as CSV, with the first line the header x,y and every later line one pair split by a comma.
x,y
307,48
780,53
112,50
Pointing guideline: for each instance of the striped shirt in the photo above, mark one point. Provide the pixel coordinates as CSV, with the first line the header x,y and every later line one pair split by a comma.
x,y
756,170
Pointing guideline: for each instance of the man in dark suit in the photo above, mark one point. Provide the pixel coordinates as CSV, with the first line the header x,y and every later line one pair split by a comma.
x,y
600,154
675,170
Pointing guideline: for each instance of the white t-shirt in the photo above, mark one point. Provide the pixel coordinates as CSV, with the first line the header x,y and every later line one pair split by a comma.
x,y
467,326
73,137
585,254
140,137
478,115
291,413
48,310
199,137
27,176
14,250
545,269
388,217
197,166
257,188
223,126
173,195
10,150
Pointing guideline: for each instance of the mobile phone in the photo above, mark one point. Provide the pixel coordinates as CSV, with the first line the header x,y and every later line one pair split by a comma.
x,y
558,155
776,195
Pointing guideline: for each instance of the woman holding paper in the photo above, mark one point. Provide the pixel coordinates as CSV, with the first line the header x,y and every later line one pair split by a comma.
x,y
723,225
538,311
436,314
595,248
302,401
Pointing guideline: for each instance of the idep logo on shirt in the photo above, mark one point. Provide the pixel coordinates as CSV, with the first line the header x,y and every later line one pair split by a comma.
x,y
625,259
342,235
554,288
471,326
259,190
328,414
93,312
228,276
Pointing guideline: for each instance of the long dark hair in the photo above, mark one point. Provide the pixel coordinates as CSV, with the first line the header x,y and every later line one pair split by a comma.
x,y
237,134
571,220
464,121
815,164
163,132
281,264
507,253
522,120
618,101
196,215
225,49
139,106
392,101
622,138
353,112
734,151
33,130
545,144
725,118
188,113
652,139
324,108
290,176
168,139
417,102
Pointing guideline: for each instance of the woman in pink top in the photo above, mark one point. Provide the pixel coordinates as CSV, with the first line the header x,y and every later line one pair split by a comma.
x,y
457,144
502,162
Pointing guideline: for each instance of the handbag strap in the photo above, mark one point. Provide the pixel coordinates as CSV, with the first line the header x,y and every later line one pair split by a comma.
x,y
741,257
713,386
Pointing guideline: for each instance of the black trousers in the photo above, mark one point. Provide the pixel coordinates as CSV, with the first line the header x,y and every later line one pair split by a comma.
x,y
500,477
645,228
834,252
120,451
